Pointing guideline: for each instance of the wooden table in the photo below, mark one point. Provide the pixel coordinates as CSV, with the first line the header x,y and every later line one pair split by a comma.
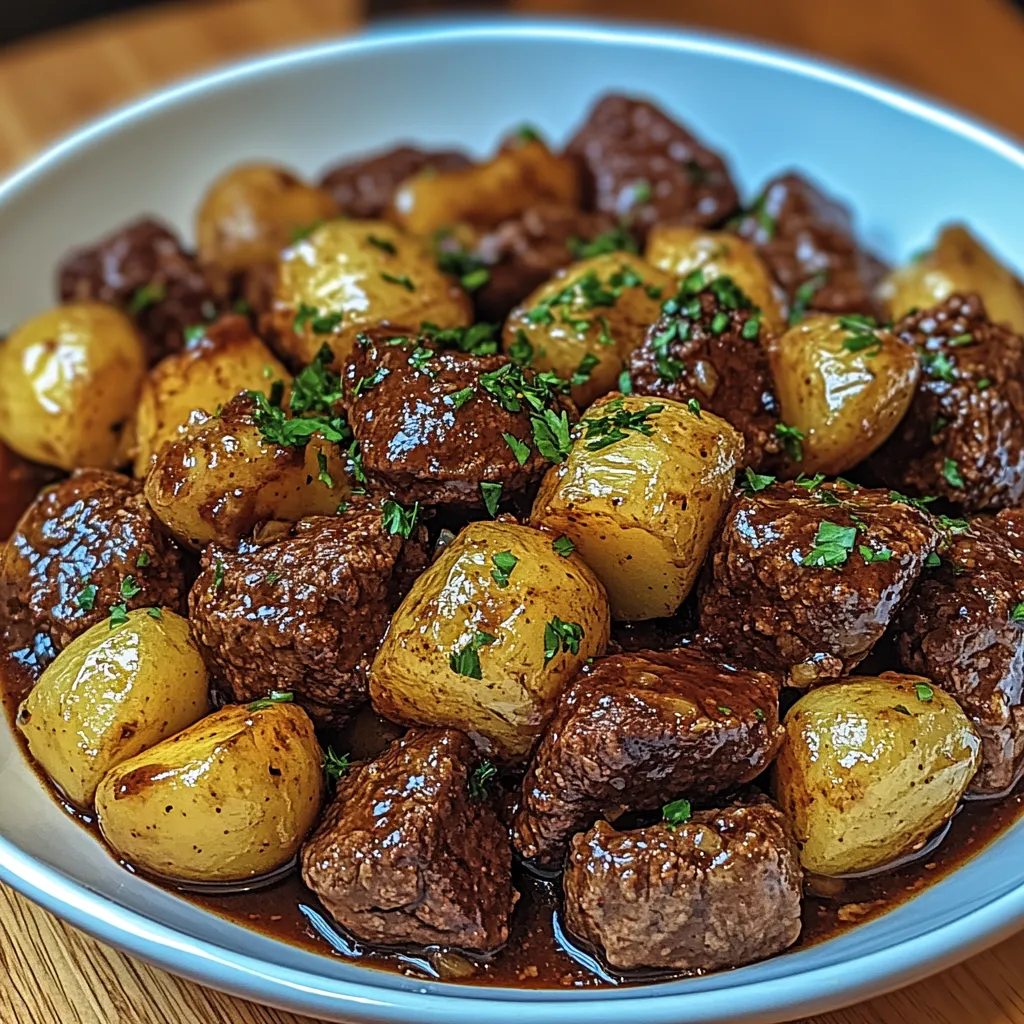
x,y
969,52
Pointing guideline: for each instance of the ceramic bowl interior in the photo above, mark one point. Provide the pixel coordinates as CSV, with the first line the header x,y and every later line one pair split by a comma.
x,y
904,166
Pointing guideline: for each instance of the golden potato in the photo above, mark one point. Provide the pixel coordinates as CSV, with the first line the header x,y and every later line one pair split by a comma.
x,y
844,385
110,694
584,322
518,177
227,360
488,635
230,798
222,477
870,768
69,381
678,249
958,263
642,509
250,214
351,274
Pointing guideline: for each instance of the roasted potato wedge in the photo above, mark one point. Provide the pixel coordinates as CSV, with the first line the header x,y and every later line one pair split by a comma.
x,y
871,768
348,275
958,263
222,477
230,798
521,175
227,360
844,385
584,322
642,509
680,250
487,637
69,382
250,214
111,693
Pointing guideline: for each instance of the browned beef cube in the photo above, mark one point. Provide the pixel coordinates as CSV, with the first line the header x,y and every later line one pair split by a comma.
x,y
963,436
83,546
639,726
719,891
807,240
964,628
143,269
306,611
407,854
640,165
806,578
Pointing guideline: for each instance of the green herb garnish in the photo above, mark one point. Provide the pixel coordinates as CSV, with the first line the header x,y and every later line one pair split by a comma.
x,y
465,660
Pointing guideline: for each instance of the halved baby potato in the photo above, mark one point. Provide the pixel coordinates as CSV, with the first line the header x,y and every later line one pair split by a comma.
x,y
111,693
641,495
230,798
488,635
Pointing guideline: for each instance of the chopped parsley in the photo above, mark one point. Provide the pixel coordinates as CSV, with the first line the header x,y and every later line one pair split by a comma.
x,y
765,221
924,692
465,660
882,555
318,323
399,520
676,813
303,231
642,192
804,296
155,613
984,384
759,714
419,359
1017,615
478,340
129,587
480,781
272,578
194,333
521,351
616,423
694,406
475,279
471,271
618,239
383,244
274,697
461,397
86,597
583,371
937,364
902,709
145,296
118,615
751,329
861,335
563,546
719,322
365,384
792,440
321,464
832,546
492,496
961,340
951,473
811,483
755,482
218,575
400,279
552,435
335,766
142,561
625,383
504,563
561,637
520,449
933,560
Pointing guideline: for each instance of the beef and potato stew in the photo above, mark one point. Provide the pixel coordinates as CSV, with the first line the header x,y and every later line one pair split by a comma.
x,y
543,569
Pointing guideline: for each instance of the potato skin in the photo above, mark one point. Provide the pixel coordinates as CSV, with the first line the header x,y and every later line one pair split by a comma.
x,y
111,694
412,681
521,175
846,403
680,249
561,347
340,268
958,263
227,360
229,798
868,770
69,381
249,214
221,478
642,511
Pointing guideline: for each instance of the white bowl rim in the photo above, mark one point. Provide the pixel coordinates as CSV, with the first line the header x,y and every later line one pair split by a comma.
x,y
809,991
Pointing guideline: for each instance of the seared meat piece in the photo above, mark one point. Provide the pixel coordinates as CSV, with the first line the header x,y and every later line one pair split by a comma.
x,y
305,611
21,483
1010,524
143,269
640,164
708,349
806,579
963,437
83,546
639,726
807,240
721,890
430,424
959,629
522,253
406,854
365,188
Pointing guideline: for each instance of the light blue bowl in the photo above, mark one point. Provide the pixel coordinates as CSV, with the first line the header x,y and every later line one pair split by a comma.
x,y
905,165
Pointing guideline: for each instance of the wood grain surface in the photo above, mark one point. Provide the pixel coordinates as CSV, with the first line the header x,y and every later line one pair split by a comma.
x,y
968,52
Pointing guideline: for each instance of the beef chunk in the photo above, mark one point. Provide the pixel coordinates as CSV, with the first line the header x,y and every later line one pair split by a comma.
x,y
406,855
639,163
431,424
707,348
525,251
963,436
305,611
22,482
806,578
958,629
639,726
143,269
74,549
365,188
807,241
721,890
